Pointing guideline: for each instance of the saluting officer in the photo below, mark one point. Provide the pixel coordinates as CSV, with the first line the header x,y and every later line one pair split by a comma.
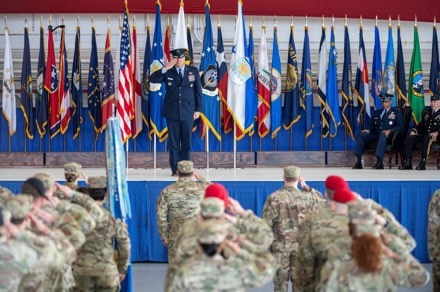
x,y
182,104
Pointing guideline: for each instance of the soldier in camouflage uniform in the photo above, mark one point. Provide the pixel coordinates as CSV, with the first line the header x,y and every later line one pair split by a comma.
x,y
45,245
95,268
72,171
284,211
178,203
434,238
222,265
4,194
373,260
318,230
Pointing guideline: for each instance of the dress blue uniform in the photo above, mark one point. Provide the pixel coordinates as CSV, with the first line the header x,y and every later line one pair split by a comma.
x,y
389,120
430,123
183,98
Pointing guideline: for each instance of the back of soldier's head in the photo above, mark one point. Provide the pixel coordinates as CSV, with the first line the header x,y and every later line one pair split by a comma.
x,y
97,187
334,183
35,187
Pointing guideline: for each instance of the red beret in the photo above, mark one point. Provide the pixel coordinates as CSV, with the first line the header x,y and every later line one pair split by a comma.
x,y
343,196
336,182
217,191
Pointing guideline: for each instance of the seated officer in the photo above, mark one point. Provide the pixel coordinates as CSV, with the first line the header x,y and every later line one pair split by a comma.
x,y
427,132
384,123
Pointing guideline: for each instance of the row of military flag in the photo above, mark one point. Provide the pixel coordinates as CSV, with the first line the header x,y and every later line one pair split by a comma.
x,y
248,95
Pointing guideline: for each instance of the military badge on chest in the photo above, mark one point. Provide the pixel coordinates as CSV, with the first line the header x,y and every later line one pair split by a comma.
x,y
391,118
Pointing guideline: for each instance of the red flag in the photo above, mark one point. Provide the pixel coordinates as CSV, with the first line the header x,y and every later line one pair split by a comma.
x,y
51,86
263,87
125,88
166,45
108,88
136,123
63,93
222,83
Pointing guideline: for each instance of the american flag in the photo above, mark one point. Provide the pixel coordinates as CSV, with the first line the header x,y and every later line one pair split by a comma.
x,y
125,91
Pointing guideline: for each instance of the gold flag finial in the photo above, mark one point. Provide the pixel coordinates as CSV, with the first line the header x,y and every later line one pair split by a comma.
x,y
323,25
345,21
41,21
275,21
398,20
389,21
376,21
415,20
434,19
218,21
307,21
360,21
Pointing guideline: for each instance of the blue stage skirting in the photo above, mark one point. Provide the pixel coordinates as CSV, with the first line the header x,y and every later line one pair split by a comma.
x,y
407,200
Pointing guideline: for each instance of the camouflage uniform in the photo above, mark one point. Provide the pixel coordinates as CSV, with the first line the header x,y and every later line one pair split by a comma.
x,y
177,204
221,273
318,230
47,253
341,273
283,211
95,268
434,238
4,194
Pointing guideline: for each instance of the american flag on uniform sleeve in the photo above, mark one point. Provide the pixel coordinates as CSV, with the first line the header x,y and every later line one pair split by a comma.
x,y
125,92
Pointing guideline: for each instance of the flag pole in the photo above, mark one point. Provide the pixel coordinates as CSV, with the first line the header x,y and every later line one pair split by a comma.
x,y
207,147
235,145
154,150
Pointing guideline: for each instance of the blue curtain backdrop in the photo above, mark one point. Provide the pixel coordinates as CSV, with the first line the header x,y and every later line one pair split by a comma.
x,y
287,140
407,200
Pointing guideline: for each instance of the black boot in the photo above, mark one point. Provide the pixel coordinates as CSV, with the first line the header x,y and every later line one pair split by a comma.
x,y
357,165
406,165
379,164
422,165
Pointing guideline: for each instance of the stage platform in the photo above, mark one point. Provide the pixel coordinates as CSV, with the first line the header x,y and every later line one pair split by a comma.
x,y
405,193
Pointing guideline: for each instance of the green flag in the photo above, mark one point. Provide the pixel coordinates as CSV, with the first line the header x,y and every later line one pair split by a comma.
x,y
416,95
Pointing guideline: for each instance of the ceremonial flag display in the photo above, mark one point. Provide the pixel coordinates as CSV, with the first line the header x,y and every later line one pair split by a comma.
x,y
51,86
76,89
222,83
306,84
93,89
389,71
347,88
401,97
63,92
334,112
208,68
157,91
124,106
263,87
41,103
136,123
376,71
240,81
322,85
434,75
361,85
8,89
26,88
146,81
108,86
416,94
291,109
275,87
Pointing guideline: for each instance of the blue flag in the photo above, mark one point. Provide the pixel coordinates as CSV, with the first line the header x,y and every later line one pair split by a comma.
x,y
334,112
41,100
434,75
275,106
93,89
291,109
251,49
208,67
322,85
401,92
389,74
26,88
347,88
76,89
157,91
376,71
306,85
361,85
108,86
146,81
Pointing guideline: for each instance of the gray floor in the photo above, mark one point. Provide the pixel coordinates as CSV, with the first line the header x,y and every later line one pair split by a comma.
x,y
150,277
